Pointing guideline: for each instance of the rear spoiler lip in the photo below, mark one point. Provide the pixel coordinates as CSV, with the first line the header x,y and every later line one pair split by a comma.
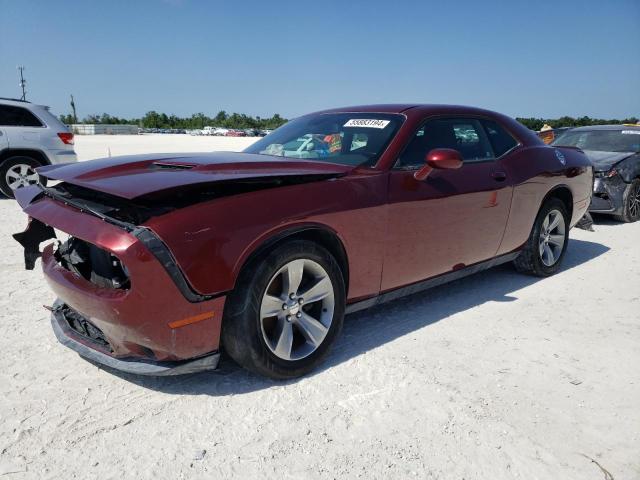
x,y
576,149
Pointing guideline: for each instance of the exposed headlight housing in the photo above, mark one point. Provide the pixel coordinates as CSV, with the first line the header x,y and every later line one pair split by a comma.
x,y
94,264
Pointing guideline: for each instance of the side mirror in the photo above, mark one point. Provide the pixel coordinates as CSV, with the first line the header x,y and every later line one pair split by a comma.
x,y
439,158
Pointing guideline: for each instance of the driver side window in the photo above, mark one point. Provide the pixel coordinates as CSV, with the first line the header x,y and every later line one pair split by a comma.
x,y
464,135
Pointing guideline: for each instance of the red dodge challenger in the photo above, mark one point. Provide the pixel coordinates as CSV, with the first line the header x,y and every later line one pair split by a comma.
x,y
163,261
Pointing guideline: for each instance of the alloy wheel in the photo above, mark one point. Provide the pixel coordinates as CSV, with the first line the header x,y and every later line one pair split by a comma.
x,y
634,202
297,309
552,238
21,175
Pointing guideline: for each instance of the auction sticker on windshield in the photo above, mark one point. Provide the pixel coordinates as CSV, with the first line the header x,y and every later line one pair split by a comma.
x,y
367,123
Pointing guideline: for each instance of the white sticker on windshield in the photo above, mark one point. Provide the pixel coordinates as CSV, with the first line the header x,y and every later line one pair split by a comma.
x,y
367,123
630,132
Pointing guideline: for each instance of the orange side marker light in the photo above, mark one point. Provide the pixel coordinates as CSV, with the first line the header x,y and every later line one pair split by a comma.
x,y
190,320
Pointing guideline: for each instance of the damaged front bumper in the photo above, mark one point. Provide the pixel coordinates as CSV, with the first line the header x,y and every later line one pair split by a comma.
x,y
79,336
608,194
114,283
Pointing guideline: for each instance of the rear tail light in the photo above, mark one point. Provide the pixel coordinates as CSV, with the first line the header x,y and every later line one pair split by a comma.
x,y
66,137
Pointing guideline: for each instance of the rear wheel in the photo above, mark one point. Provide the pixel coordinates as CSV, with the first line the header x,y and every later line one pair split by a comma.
x,y
548,241
17,172
631,203
286,311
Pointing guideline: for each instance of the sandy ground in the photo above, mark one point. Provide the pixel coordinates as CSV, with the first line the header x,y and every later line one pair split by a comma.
x,y
497,376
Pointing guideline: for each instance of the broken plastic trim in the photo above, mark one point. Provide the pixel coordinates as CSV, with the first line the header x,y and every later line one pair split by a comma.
x,y
38,232
585,223
82,326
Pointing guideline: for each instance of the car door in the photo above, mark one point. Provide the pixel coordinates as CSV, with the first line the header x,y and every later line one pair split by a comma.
x,y
4,138
21,128
4,142
454,218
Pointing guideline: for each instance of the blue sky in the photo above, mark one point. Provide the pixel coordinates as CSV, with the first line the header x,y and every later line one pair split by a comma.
x,y
523,58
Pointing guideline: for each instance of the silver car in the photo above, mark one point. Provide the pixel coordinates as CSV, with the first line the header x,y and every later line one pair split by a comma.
x,y
30,136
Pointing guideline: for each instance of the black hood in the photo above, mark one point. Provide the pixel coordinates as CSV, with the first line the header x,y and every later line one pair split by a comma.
x,y
603,161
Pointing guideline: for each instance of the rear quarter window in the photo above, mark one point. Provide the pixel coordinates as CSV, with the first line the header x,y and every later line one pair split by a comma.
x,y
11,116
501,140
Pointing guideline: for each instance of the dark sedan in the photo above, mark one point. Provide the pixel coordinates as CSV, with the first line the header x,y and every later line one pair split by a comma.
x,y
614,151
171,259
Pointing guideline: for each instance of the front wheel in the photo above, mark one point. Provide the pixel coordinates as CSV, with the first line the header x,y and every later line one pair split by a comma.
x,y
631,203
546,246
286,311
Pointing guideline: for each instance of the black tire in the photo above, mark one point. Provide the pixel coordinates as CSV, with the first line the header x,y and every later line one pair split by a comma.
x,y
530,260
630,203
242,334
12,162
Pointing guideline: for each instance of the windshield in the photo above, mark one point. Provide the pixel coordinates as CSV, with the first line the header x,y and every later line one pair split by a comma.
x,y
344,138
623,140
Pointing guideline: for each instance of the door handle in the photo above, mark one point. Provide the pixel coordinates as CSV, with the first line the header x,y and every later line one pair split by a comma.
x,y
499,176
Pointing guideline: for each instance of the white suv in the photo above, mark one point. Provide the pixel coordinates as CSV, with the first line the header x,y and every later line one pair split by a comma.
x,y
30,136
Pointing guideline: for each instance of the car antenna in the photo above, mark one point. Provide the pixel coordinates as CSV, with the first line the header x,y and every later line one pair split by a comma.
x,y
23,83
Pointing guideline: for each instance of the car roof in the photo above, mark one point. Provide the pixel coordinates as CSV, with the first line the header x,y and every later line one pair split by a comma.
x,y
378,108
423,110
403,107
8,99
605,127
16,102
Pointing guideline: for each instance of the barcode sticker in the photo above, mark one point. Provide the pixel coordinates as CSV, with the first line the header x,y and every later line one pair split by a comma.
x,y
367,123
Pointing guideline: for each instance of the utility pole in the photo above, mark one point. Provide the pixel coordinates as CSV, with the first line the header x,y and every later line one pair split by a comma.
x,y
23,82
73,107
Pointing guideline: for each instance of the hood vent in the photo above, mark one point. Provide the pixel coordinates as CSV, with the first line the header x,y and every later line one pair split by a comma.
x,y
170,166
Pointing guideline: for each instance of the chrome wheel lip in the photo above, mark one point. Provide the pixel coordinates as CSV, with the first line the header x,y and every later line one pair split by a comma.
x,y
300,309
553,236
21,175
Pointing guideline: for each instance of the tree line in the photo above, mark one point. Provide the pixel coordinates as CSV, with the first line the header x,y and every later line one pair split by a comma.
x,y
154,119
537,123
